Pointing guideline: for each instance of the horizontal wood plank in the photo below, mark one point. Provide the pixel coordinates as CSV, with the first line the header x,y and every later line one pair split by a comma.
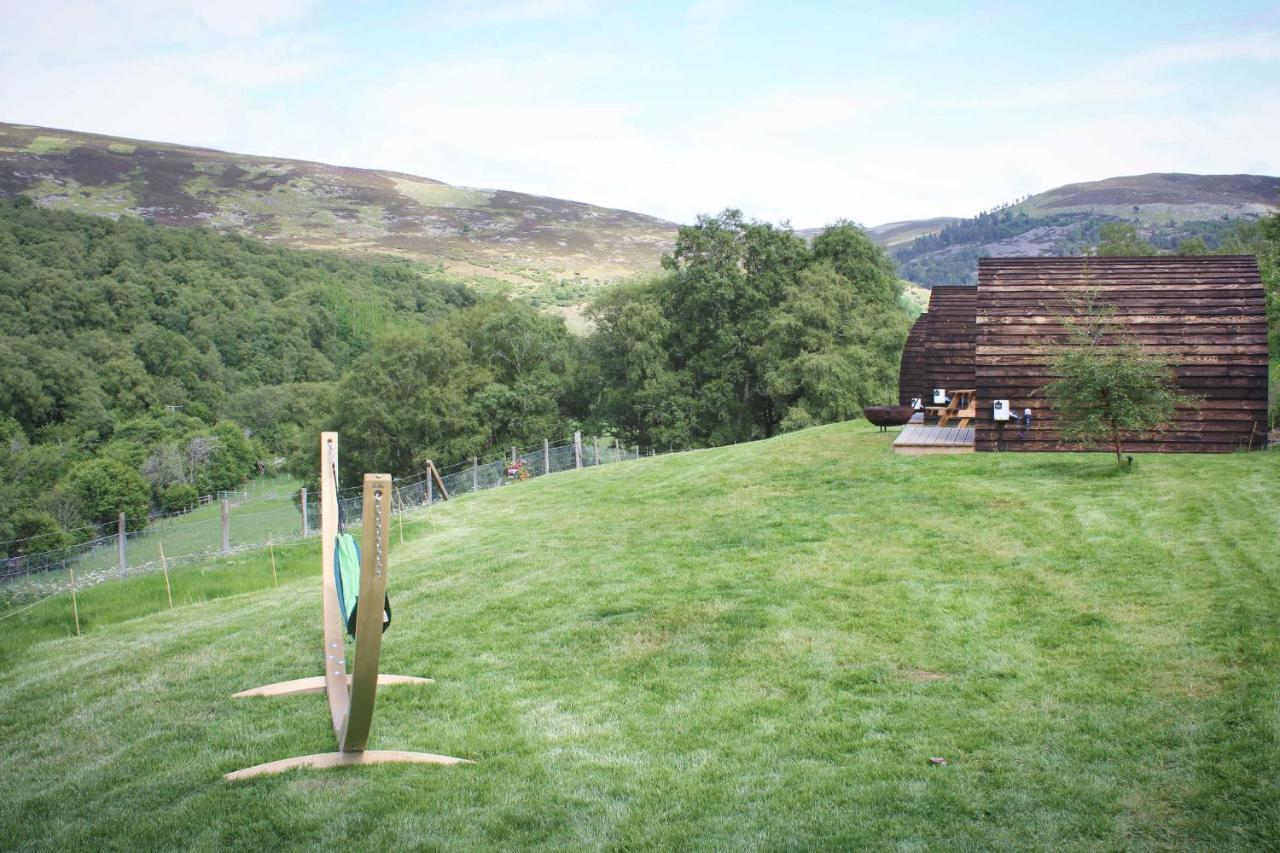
x,y
1206,314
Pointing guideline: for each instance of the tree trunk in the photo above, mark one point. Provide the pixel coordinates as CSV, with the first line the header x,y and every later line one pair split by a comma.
x,y
1115,430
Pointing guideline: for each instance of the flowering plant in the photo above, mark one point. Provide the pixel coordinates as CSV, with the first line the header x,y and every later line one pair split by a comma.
x,y
516,470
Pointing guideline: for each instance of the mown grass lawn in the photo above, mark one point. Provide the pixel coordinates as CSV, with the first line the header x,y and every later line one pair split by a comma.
x,y
754,647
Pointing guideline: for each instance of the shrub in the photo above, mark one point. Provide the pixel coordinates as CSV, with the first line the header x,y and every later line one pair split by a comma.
x,y
38,531
178,496
106,487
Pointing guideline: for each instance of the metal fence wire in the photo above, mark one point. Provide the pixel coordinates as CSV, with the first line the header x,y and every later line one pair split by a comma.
x,y
251,522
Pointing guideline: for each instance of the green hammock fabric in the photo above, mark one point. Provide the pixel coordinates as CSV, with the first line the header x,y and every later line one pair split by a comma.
x,y
346,571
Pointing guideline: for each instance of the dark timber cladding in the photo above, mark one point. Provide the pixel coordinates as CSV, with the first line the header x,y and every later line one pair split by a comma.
x,y
939,348
912,381
949,345
1207,313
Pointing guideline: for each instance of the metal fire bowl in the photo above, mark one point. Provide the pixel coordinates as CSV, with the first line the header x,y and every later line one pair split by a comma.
x,y
887,416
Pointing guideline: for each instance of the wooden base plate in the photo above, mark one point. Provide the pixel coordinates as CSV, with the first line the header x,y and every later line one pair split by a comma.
x,y
315,684
325,760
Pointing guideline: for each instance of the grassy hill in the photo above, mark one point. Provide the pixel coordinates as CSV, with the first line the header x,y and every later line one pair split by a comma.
x,y
1163,197
893,234
759,646
1166,208
554,248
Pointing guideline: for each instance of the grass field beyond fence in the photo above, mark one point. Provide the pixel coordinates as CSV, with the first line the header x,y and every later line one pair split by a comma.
x,y
759,646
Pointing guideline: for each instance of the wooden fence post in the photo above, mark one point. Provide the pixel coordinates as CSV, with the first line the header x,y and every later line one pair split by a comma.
x,y
546,456
75,610
475,474
275,581
637,451
513,456
164,566
120,558
431,488
595,446
226,526
577,450
304,511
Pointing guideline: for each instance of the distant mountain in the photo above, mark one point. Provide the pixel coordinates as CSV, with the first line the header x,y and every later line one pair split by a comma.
x,y
558,252
1161,197
893,234
550,248
1165,208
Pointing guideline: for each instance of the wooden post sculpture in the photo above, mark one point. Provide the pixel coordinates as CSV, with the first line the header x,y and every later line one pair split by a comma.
x,y
351,697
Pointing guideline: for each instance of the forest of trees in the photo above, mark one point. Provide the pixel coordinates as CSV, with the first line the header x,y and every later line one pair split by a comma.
x,y
924,260
951,255
142,366
748,333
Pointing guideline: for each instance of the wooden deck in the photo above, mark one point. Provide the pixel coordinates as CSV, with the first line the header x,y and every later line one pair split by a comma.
x,y
921,440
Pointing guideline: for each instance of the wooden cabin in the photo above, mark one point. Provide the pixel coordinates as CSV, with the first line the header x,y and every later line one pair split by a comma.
x,y
1207,313
939,352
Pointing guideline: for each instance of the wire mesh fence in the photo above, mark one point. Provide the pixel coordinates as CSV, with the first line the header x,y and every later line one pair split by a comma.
x,y
240,522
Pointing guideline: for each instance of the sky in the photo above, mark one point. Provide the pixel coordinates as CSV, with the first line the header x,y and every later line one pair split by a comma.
x,y
799,112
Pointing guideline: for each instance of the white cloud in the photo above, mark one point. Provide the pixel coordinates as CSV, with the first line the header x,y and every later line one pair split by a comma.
x,y
280,61
1261,47
709,11
705,16
172,71
62,30
1130,80
245,18
871,149
466,12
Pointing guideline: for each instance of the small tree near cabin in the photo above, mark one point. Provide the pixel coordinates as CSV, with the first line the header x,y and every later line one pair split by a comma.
x,y
1108,383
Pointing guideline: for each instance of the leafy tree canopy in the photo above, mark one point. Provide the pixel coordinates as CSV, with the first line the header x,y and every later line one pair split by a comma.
x,y
1121,239
1108,384
750,331
192,360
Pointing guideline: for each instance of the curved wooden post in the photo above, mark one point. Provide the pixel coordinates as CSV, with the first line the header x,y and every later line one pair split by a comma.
x,y
375,543
335,654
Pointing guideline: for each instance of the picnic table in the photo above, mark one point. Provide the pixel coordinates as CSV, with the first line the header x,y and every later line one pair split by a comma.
x,y
962,407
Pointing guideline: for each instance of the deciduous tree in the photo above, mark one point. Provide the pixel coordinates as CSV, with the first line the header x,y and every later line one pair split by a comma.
x,y
1108,384
1121,239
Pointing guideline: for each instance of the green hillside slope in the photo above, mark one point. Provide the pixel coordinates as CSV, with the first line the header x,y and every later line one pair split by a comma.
x,y
554,248
759,646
